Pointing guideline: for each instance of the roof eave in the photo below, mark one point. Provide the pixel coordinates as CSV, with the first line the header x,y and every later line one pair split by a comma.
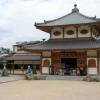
x,y
40,50
47,28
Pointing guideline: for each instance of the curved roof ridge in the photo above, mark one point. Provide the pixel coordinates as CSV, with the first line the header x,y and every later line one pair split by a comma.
x,y
93,18
45,22
60,17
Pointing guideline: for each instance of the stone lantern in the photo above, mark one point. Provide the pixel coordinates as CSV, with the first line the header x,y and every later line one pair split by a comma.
x,y
4,71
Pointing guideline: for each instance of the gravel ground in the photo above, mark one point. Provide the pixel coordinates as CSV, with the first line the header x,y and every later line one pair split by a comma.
x,y
50,90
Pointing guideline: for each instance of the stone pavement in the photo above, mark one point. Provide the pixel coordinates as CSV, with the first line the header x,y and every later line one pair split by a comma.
x,y
10,78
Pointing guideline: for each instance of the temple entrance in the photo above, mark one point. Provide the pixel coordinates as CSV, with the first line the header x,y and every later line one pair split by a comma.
x,y
69,65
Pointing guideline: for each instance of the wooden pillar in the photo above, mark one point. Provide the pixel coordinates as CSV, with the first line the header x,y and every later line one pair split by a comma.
x,y
98,61
91,30
76,31
86,62
23,68
13,67
41,63
51,33
52,66
63,32
10,67
33,68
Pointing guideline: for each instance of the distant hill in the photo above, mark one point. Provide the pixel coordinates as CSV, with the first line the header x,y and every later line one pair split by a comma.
x,y
4,50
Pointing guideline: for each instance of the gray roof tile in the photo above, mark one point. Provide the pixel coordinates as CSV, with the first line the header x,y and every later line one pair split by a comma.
x,y
24,57
66,44
72,18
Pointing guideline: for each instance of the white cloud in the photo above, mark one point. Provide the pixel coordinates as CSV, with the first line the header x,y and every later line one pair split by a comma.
x,y
17,17
3,23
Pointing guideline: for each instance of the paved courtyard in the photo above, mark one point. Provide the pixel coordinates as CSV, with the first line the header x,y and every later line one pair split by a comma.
x,y
11,78
49,90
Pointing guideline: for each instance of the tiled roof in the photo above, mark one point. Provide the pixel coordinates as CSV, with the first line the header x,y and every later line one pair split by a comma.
x,y
75,17
24,57
66,44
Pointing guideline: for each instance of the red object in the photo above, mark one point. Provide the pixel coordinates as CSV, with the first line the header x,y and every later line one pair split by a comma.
x,y
82,65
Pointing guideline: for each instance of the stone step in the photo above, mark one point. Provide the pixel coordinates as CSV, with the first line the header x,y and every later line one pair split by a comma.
x,y
57,77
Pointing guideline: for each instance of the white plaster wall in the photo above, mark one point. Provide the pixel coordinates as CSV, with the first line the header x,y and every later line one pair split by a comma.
x,y
46,53
22,52
56,29
45,70
70,36
84,35
15,48
92,71
91,53
93,36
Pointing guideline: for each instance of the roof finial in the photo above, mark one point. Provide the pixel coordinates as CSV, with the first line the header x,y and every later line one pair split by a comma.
x,y
75,5
75,9
94,17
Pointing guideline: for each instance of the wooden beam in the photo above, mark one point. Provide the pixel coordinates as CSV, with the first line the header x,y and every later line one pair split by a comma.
x,y
63,32
98,54
77,31
91,30
51,33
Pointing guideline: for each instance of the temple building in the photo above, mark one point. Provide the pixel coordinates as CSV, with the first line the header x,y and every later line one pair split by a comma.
x,y
73,47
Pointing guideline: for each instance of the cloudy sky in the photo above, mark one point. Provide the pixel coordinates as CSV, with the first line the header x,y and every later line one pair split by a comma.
x,y
17,17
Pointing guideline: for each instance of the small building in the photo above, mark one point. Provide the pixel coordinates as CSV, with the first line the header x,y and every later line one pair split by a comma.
x,y
73,46
20,59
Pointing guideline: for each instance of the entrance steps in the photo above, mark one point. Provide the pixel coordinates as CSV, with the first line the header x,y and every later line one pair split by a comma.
x,y
59,77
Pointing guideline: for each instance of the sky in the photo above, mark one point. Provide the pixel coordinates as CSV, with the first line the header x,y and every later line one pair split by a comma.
x,y
17,17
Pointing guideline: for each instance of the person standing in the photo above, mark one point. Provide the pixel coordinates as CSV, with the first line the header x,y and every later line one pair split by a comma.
x,y
77,71
29,73
82,68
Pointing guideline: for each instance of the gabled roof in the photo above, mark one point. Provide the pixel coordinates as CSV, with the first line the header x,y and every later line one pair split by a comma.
x,y
67,44
75,17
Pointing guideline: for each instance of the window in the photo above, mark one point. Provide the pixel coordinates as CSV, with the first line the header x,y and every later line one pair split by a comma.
x,y
70,32
57,33
84,31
